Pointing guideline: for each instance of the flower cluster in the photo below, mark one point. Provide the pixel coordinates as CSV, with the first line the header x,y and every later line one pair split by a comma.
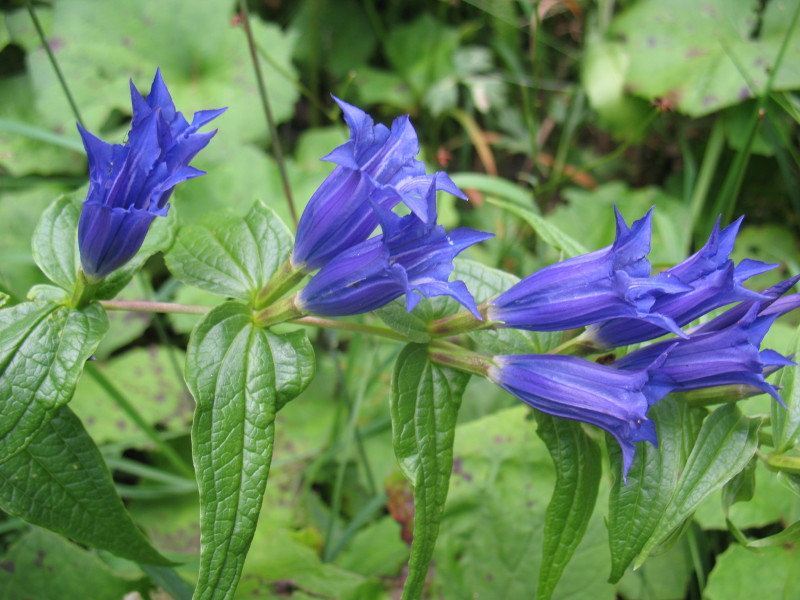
x,y
130,184
612,291
412,256
360,255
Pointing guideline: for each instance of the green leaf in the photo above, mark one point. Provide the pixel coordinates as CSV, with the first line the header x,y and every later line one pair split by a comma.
x,y
43,348
636,508
55,241
43,565
724,446
235,258
577,461
786,421
543,228
491,538
150,385
790,535
59,481
424,409
240,377
202,71
704,56
741,574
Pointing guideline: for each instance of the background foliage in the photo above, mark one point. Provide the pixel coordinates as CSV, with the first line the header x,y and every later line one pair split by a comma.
x,y
547,113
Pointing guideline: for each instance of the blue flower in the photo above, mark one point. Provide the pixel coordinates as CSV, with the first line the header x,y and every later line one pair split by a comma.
x,y
713,281
376,165
130,184
411,257
573,388
605,284
726,350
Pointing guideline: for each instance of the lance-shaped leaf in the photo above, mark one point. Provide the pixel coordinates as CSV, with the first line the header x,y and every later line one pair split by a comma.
x,y
234,258
635,510
577,461
726,443
60,482
43,347
424,407
240,377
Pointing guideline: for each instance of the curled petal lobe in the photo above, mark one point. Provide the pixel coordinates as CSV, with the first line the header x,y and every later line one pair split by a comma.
x,y
711,279
605,284
724,351
130,184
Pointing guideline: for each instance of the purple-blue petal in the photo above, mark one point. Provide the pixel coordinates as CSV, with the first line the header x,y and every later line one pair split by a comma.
x,y
375,167
130,184
601,285
573,388
712,280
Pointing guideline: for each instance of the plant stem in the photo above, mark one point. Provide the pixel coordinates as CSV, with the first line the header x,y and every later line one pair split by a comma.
x,y
134,415
155,307
460,359
273,129
355,327
54,62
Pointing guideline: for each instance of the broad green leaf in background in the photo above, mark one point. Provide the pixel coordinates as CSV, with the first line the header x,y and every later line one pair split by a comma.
x,y
424,408
694,53
20,211
769,574
635,509
59,481
240,377
25,154
43,565
234,258
491,538
43,347
724,446
577,461
210,68
496,187
150,385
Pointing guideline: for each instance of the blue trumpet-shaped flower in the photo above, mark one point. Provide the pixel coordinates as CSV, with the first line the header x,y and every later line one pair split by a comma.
x,y
573,388
411,257
605,284
376,165
130,184
724,351
713,281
